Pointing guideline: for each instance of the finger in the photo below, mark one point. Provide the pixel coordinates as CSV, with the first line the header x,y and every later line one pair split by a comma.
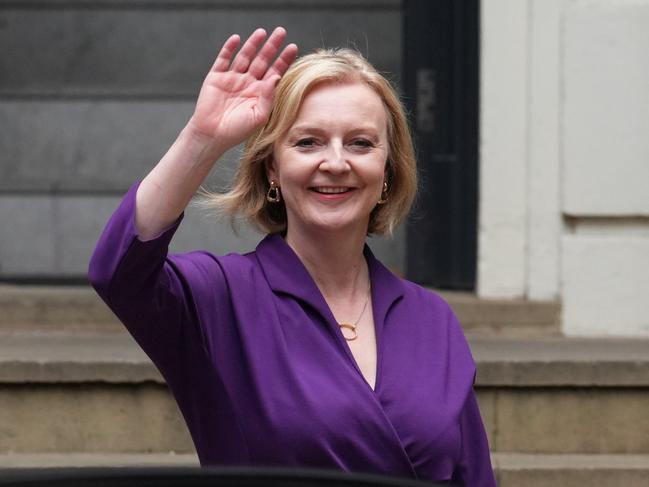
x,y
265,56
268,91
222,62
247,52
283,61
268,86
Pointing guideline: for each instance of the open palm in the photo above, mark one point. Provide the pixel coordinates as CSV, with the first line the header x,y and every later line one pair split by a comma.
x,y
237,93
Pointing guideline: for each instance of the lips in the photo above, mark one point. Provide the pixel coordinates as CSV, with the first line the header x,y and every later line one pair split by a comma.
x,y
331,189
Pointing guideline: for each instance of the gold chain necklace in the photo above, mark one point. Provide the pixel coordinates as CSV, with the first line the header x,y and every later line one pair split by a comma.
x,y
352,326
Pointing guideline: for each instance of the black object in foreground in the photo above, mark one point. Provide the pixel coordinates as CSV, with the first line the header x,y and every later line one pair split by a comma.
x,y
198,477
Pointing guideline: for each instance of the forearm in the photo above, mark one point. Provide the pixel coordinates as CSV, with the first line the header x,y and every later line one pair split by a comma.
x,y
166,191
234,100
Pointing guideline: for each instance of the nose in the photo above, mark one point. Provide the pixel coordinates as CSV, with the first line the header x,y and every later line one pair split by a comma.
x,y
335,160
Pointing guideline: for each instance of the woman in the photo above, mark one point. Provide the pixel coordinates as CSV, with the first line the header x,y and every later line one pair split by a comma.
x,y
307,351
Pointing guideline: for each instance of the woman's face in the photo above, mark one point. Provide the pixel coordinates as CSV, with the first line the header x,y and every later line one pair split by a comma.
x,y
330,165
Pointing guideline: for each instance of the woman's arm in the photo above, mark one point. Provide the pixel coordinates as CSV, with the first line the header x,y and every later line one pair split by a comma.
x,y
153,293
234,100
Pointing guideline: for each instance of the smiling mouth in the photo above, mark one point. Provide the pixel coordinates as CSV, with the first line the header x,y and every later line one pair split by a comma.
x,y
331,190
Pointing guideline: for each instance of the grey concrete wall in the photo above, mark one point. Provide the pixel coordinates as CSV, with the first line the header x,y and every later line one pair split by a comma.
x,y
92,93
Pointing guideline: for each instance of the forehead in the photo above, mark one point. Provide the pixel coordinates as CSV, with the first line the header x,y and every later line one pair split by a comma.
x,y
342,103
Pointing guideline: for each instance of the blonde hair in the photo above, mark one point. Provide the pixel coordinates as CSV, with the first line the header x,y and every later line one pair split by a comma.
x,y
247,197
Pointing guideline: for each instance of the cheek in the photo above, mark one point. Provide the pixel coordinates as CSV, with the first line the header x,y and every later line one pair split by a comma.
x,y
293,189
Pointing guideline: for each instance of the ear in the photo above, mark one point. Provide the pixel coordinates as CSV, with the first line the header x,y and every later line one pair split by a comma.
x,y
271,172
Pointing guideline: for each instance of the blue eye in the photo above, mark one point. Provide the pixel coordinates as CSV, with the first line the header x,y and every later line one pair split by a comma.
x,y
363,143
305,143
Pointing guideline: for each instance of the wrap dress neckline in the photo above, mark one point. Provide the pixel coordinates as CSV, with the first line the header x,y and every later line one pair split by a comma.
x,y
286,273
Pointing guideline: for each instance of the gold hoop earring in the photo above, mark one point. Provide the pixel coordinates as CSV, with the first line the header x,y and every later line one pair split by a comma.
x,y
384,194
274,195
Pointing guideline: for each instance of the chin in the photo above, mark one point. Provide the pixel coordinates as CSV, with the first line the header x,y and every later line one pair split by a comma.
x,y
340,225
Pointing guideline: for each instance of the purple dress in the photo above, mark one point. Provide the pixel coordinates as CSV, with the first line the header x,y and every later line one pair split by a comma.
x,y
263,375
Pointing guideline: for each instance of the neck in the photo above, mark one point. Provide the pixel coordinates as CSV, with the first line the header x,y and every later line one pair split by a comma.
x,y
335,260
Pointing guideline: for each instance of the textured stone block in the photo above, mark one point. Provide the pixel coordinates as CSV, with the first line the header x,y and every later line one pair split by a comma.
x,y
54,308
90,418
84,146
571,470
579,420
78,223
55,236
28,235
76,460
161,51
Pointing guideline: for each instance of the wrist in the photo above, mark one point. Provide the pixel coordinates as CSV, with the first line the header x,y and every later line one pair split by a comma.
x,y
206,147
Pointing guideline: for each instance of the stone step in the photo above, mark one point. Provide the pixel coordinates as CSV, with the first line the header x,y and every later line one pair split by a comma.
x,y
571,470
54,308
550,362
512,469
100,393
90,460
78,308
504,317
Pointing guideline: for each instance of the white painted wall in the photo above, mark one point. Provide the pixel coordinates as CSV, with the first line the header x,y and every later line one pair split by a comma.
x,y
606,282
606,111
503,149
564,195
543,189
605,257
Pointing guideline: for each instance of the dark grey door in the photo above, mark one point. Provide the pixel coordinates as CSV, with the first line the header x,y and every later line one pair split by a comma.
x,y
441,91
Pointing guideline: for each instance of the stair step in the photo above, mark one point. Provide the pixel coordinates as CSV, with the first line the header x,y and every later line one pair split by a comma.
x,y
502,362
575,470
561,361
512,469
78,308
71,308
82,460
497,317
96,393
74,358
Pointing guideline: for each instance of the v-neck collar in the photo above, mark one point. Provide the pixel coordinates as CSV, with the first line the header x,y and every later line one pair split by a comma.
x,y
286,273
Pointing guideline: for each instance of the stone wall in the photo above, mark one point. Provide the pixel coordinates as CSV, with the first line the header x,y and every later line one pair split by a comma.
x,y
92,93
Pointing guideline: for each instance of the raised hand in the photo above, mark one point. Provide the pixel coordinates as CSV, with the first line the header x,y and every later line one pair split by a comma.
x,y
237,93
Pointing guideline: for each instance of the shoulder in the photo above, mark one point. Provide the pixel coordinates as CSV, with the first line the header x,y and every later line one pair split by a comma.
x,y
415,302
201,264
211,278
433,308
436,317
426,299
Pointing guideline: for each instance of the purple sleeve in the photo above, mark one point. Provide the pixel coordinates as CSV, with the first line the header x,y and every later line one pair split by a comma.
x,y
474,468
144,287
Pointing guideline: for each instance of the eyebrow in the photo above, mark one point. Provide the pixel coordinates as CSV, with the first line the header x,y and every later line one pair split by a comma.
x,y
312,129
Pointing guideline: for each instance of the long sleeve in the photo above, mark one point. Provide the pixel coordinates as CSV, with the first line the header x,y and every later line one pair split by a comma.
x,y
474,468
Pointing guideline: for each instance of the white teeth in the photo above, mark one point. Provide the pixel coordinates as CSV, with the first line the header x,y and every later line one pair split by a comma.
x,y
330,190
